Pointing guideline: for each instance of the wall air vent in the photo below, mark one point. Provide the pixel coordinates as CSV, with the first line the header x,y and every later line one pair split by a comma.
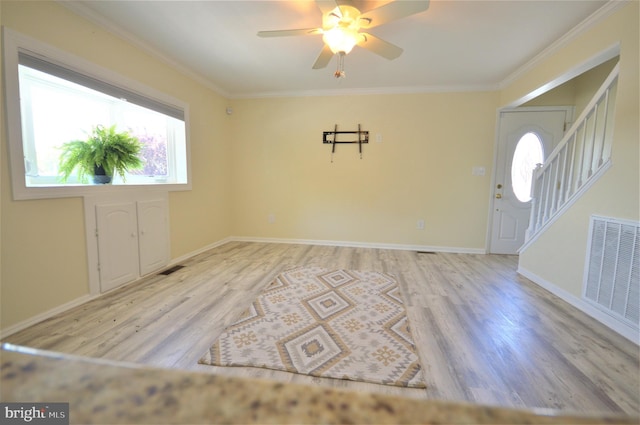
x,y
612,275
171,270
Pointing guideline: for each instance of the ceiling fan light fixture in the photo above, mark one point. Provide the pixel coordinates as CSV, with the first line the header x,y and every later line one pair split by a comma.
x,y
341,29
340,39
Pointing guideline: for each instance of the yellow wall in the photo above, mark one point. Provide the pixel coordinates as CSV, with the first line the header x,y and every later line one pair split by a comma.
x,y
420,170
268,158
558,256
588,84
578,91
563,95
43,242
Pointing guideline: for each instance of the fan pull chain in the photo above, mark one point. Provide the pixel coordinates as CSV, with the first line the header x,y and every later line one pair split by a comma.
x,y
340,71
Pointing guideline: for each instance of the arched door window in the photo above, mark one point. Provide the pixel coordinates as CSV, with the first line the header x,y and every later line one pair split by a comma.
x,y
528,153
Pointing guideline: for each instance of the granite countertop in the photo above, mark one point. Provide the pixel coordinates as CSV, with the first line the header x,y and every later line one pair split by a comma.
x,y
100,391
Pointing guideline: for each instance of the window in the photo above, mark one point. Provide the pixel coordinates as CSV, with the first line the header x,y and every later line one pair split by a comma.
x,y
527,155
53,98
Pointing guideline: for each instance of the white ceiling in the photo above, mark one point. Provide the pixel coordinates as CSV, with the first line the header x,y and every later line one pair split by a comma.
x,y
454,45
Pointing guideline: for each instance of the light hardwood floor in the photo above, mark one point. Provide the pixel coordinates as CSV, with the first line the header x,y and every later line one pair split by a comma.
x,y
484,334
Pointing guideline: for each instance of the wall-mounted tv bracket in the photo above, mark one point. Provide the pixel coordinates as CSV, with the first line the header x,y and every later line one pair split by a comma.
x,y
332,138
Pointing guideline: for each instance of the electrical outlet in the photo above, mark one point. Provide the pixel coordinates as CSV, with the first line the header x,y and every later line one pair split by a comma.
x,y
271,218
420,224
379,138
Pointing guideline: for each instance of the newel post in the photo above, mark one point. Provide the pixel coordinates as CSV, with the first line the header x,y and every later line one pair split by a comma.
x,y
535,196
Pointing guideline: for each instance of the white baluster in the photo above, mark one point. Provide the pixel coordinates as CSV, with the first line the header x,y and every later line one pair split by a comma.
x,y
604,130
592,146
569,187
564,177
553,181
535,201
545,192
580,153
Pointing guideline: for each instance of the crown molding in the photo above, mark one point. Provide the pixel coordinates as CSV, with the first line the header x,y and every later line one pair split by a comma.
x,y
596,17
88,14
602,13
368,91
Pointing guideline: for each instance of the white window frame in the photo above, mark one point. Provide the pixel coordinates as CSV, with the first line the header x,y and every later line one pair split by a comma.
x,y
14,43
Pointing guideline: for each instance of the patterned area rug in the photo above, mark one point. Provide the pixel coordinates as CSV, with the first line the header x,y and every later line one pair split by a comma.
x,y
330,323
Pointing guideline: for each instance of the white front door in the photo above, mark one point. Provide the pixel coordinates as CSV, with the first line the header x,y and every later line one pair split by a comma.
x,y
526,136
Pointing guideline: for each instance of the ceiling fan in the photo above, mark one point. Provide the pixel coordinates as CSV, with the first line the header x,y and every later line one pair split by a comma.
x,y
341,25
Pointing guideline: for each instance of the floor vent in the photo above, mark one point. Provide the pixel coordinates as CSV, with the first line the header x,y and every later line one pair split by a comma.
x,y
171,270
612,275
425,252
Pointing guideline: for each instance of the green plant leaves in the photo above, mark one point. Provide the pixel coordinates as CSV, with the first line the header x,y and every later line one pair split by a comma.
x,y
116,152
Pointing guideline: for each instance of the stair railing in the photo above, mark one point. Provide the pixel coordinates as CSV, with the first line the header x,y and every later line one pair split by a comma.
x,y
583,154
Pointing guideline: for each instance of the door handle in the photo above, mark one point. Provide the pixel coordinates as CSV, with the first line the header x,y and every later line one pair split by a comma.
x,y
498,196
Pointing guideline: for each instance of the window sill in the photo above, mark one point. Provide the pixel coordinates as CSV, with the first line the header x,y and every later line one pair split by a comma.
x,y
51,192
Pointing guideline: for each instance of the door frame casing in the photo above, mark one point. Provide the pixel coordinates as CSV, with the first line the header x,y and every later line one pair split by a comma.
x,y
569,110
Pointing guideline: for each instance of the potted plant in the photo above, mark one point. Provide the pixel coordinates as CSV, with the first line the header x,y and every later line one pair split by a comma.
x,y
104,153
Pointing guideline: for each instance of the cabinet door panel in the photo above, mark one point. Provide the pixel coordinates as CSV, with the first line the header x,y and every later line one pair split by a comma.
x,y
117,244
153,235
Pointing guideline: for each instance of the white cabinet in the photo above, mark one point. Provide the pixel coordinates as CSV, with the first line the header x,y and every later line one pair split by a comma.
x,y
132,240
153,246
117,235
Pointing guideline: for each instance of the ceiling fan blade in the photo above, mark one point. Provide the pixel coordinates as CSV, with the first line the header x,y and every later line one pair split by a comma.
x,y
287,33
345,3
379,46
323,58
326,6
392,11
329,7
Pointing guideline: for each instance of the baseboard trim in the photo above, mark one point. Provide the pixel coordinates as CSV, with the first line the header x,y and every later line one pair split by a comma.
x,y
585,307
175,261
185,257
85,298
46,315
351,244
